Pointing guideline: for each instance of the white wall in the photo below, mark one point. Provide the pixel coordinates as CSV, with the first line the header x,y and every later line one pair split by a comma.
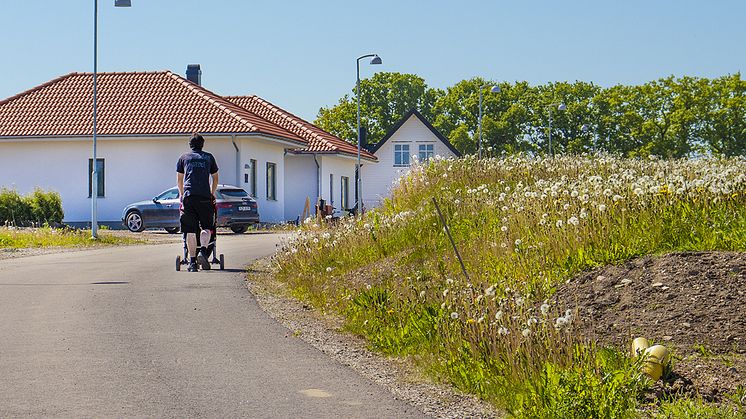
x,y
264,151
338,166
300,182
379,178
136,169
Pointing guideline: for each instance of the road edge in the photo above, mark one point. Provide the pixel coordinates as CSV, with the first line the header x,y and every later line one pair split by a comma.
x,y
323,332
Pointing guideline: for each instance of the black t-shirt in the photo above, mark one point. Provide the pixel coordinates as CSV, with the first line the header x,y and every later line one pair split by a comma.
x,y
197,166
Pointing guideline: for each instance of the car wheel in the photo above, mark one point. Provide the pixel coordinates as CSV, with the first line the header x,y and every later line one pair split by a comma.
x,y
172,230
239,229
134,222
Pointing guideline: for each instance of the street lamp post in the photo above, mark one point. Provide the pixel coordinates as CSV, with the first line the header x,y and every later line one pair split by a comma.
x,y
493,89
94,174
560,107
359,198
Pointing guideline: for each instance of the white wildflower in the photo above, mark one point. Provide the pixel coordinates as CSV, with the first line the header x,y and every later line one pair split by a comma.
x,y
454,315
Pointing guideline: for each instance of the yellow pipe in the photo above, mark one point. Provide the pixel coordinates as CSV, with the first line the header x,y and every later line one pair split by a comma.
x,y
639,345
657,357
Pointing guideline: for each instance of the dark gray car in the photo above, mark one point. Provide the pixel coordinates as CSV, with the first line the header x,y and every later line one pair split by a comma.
x,y
236,210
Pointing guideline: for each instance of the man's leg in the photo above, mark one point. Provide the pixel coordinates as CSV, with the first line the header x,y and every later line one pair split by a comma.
x,y
206,213
191,239
204,240
189,225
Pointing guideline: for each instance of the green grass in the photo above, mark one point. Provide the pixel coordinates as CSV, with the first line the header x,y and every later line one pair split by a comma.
x,y
12,238
523,226
698,409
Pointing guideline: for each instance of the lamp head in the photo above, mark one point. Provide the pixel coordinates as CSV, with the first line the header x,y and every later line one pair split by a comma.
x,y
376,60
122,3
495,89
562,107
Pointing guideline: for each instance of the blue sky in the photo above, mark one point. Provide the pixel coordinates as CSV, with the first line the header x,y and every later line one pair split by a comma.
x,y
301,54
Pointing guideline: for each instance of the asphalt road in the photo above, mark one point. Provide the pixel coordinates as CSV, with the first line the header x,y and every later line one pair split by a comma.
x,y
118,332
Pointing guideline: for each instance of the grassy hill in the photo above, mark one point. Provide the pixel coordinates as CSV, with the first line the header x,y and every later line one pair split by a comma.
x,y
522,226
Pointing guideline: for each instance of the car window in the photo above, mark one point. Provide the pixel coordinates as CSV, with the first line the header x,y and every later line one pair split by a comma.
x,y
169,194
235,192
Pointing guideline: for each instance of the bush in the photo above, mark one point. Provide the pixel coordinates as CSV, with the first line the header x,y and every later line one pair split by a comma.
x,y
46,207
38,208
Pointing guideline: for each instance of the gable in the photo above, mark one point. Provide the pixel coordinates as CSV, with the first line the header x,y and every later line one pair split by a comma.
x,y
415,124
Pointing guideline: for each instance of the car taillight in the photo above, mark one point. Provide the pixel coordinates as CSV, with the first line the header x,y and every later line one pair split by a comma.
x,y
223,205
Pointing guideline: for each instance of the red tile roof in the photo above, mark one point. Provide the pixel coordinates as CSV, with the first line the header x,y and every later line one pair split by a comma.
x,y
139,103
318,139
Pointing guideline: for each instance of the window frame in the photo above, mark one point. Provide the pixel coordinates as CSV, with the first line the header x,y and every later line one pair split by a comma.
x,y
101,178
252,178
429,151
344,192
401,154
271,181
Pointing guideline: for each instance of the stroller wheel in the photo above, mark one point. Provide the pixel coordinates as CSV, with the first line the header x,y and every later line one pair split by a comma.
x,y
222,262
178,263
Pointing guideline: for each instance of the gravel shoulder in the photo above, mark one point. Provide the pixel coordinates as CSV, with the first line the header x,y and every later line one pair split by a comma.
x,y
323,332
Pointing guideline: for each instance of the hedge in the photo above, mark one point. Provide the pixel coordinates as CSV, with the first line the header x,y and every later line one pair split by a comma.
x,y
35,209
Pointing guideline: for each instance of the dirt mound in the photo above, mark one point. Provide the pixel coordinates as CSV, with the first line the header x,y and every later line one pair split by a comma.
x,y
693,302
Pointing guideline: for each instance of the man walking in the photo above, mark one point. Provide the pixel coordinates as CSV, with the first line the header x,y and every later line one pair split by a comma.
x,y
194,170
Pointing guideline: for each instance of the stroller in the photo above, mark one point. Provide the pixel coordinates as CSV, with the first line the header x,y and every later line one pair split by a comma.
x,y
212,255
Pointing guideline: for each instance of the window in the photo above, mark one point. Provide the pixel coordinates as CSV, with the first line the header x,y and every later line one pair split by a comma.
x,y
100,169
331,188
172,193
250,178
401,154
271,181
231,193
426,152
344,192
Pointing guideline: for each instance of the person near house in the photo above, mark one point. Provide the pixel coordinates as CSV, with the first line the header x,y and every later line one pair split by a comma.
x,y
194,170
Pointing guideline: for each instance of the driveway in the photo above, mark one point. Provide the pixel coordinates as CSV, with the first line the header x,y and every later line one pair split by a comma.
x,y
118,332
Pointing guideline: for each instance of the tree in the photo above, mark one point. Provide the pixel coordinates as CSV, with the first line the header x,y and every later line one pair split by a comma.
x,y
567,132
505,116
384,99
668,117
723,129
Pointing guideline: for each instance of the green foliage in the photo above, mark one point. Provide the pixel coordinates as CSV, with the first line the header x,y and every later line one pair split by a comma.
x,y
38,208
384,99
604,385
14,210
46,207
671,117
698,409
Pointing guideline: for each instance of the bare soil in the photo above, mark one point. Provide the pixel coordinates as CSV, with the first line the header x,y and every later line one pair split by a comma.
x,y
694,303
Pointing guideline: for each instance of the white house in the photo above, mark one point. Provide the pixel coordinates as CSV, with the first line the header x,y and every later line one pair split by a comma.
x,y
412,137
144,122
